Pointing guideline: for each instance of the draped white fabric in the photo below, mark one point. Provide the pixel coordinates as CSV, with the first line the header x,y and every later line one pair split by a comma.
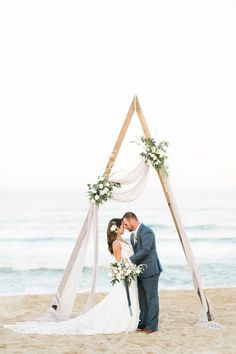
x,y
138,176
65,296
206,306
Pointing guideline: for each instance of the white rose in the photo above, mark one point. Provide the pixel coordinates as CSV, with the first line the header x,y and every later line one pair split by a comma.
x,y
100,186
113,227
96,197
107,184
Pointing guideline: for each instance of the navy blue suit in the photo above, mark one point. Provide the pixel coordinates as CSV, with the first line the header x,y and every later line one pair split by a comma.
x,y
145,253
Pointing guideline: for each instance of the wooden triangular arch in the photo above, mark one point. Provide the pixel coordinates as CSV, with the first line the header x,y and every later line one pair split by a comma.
x,y
135,107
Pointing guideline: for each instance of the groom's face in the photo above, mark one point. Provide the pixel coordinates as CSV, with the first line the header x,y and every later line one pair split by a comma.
x,y
128,224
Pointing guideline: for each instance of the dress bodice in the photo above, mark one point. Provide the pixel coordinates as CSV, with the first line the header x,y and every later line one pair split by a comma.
x,y
126,249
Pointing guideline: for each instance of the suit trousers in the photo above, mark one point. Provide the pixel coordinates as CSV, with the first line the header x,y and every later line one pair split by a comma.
x,y
148,302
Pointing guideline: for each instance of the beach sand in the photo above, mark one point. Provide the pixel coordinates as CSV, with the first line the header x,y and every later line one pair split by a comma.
x,y
179,312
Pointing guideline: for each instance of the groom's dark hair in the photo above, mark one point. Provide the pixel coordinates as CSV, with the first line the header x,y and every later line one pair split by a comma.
x,y
129,215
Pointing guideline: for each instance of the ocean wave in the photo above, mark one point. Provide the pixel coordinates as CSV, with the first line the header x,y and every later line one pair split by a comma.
x,y
45,269
37,239
215,238
197,227
203,227
31,270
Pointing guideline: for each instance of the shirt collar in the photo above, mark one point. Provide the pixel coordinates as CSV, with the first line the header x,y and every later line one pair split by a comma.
x,y
135,231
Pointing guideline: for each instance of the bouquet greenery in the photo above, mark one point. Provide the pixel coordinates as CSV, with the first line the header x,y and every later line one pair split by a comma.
x,y
125,271
155,154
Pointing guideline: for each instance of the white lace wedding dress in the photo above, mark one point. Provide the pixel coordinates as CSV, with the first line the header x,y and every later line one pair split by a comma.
x,y
111,315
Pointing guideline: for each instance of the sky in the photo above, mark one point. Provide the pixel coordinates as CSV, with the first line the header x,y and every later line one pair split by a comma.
x,y
70,69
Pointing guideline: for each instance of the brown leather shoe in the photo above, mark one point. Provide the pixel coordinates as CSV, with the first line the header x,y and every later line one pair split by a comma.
x,y
148,330
139,330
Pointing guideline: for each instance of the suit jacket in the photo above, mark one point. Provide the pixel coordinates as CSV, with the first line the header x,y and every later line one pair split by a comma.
x,y
145,251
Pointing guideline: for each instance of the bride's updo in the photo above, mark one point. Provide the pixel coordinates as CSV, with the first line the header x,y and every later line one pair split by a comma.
x,y
112,227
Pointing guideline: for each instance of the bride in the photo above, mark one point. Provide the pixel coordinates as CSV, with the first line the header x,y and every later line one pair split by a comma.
x,y
112,314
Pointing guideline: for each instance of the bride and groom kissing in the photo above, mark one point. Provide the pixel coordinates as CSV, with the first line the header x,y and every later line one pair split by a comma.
x,y
111,315
143,251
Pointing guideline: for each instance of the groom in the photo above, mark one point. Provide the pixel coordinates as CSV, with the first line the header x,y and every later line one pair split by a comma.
x,y
144,245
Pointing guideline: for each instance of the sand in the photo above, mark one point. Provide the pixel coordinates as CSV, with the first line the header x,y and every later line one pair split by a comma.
x,y
179,312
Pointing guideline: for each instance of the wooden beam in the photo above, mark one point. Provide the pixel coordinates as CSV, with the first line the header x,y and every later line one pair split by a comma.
x,y
120,139
142,119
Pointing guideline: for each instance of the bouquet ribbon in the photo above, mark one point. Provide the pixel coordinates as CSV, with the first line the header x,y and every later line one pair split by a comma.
x,y
128,296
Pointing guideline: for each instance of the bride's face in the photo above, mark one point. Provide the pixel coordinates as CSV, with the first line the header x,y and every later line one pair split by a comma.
x,y
121,229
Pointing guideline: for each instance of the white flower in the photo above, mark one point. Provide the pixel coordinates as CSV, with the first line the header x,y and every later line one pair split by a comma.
x,y
107,184
96,197
100,186
113,228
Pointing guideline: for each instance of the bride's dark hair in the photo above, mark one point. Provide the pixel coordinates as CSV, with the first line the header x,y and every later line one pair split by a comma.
x,y
112,234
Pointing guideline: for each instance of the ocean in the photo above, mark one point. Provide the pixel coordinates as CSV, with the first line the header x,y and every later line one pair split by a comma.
x,y
38,229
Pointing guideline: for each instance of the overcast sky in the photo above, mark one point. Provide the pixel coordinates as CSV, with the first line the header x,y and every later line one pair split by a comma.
x,y
70,69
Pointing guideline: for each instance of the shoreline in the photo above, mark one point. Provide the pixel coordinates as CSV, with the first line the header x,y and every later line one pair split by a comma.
x,y
106,290
180,310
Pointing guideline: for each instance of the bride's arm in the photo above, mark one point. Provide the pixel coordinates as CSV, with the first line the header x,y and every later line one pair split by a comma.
x,y
117,250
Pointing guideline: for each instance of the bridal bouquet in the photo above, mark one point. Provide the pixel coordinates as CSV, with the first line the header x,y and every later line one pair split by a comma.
x,y
126,271
101,191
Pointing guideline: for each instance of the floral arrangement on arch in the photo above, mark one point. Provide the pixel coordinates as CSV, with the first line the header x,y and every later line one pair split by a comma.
x,y
155,154
101,191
